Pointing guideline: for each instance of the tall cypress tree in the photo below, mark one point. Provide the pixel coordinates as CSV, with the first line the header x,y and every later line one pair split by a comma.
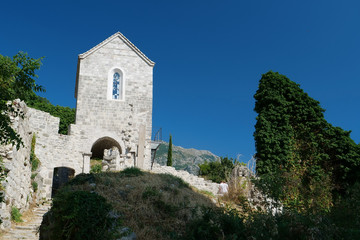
x,y
294,141
169,157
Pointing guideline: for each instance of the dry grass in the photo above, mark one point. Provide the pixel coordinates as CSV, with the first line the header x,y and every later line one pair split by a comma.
x,y
154,206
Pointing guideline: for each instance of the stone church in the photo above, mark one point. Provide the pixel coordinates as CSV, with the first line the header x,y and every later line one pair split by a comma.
x,y
114,92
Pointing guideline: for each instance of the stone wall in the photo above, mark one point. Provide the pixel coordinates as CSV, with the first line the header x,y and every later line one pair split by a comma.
x,y
100,121
195,181
17,187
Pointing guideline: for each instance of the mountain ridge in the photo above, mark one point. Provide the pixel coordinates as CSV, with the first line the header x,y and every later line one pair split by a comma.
x,y
186,159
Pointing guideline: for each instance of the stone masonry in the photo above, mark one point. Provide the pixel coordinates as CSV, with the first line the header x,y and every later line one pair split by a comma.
x,y
17,187
101,121
114,90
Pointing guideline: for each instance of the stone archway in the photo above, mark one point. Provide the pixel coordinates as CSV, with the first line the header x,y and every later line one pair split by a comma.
x,y
98,147
61,176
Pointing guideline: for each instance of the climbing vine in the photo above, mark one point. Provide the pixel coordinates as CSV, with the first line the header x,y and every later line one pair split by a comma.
x,y
35,162
314,160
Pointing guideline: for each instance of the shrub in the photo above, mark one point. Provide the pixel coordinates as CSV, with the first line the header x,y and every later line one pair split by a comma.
x,y
34,186
217,171
15,214
214,224
96,168
79,215
35,162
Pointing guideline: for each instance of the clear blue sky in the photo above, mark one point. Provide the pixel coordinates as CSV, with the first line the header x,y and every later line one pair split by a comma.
x,y
209,57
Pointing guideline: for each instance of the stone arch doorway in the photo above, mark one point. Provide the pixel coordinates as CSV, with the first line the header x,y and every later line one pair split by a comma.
x,y
61,176
98,147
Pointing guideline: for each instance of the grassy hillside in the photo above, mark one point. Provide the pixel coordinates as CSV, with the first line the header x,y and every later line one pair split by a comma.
x,y
109,205
184,159
154,206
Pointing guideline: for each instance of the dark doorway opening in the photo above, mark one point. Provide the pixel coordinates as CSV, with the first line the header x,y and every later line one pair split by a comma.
x,y
97,149
61,176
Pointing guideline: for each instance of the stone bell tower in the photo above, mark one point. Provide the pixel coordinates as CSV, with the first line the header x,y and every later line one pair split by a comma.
x,y
114,92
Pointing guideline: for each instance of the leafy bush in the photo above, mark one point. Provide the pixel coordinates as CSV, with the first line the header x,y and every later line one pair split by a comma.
x,y
217,171
34,186
96,168
214,224
80,215
15,214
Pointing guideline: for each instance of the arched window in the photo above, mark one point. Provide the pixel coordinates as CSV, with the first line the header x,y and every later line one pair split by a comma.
x,y
115,84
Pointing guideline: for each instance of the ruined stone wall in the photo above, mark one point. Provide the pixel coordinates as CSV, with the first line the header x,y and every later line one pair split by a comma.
x,y
17,187
53,149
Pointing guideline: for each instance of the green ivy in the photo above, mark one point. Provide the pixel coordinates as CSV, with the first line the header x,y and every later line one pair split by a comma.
x,y
313,159
35,162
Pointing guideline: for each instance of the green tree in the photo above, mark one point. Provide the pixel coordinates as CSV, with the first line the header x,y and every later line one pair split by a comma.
x,y
217,171
17,80
295,143
169,157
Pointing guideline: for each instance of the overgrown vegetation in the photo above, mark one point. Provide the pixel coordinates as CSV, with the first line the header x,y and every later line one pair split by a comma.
x,y
17,80
15,214
217,171
96,168
154,206
81,215
34,185
95,165
3,174
310,161
35,163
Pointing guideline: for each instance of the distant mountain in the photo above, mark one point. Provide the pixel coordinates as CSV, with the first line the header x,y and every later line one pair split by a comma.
x,y
186,159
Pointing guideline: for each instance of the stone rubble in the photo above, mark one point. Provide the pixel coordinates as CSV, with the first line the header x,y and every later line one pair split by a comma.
x,y
195,181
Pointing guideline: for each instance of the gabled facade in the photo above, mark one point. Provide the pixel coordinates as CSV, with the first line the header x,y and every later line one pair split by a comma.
x,y
114,87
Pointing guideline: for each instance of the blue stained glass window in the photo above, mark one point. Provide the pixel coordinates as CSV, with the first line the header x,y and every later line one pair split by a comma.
x,y
116,86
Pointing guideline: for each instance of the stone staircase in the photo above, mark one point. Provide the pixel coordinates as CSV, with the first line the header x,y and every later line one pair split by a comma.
x,y
195,181
29,228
